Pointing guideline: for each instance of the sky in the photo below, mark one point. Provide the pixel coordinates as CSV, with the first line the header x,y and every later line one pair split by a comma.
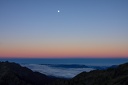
x,y
82,28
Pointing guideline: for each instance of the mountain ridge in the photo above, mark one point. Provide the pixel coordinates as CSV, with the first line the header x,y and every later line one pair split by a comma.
x,y
13,74
111,76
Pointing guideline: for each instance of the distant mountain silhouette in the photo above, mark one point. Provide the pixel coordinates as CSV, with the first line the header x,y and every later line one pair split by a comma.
x,y
14,74
77,66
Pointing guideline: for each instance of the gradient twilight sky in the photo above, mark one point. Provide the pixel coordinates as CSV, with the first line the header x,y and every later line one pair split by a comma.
x,y
82,28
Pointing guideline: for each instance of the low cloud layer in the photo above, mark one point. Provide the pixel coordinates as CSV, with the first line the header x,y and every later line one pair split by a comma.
x,y
57,71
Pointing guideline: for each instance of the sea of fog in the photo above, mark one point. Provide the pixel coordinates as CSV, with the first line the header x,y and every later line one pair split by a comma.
x,y
67,67
63,71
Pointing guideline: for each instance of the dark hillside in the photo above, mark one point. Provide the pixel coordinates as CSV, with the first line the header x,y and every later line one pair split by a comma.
x,y
14,74
111,76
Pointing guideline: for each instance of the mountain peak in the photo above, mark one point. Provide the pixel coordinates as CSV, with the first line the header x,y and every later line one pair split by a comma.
x,y
14,74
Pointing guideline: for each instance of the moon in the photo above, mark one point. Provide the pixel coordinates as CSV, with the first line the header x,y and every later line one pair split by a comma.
x,y
58,11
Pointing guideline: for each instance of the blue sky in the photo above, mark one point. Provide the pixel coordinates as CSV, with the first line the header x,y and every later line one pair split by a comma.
x,y
82,24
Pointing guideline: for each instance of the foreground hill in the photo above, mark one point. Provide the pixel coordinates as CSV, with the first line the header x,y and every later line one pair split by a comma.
x,y
111,76
14,74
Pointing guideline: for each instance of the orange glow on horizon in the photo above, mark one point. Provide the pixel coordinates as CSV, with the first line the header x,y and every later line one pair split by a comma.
x,y
61,52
